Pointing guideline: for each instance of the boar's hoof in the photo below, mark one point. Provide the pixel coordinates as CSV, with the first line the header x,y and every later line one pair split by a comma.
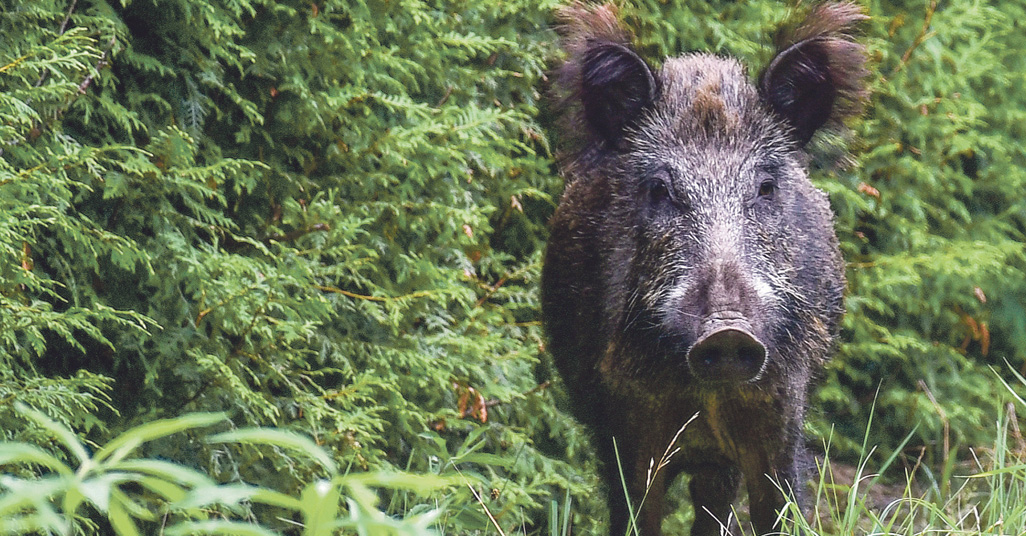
x,y
727,355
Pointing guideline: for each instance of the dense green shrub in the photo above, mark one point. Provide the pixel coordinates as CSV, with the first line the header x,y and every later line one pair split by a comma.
x,y
933,226
320,216
328,216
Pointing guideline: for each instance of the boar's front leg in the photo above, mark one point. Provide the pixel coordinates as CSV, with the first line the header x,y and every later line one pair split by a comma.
x,y
765,483
646,497
641,445
713,489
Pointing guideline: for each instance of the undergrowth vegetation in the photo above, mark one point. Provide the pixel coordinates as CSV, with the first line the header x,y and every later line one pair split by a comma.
x,y
271,267
985,494
48,488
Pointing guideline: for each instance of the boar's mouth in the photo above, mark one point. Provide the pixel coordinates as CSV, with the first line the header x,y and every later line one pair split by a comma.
x,y
727,353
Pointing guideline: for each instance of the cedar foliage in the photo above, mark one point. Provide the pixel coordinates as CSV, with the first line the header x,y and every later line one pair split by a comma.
x,y
323,217
328,216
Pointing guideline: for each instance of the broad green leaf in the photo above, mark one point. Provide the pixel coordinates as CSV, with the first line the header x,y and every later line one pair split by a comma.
x,y
320,507
129,505
20,494
122,522
421,484
167,490
98,489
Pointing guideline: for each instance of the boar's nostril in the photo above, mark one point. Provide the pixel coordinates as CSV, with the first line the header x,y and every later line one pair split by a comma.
x,y
728,355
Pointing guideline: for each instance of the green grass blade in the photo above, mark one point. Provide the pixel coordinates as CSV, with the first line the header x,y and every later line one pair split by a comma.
x,y
171,472
631,526
278,438
421,484
23,453
122,445
553,518
567,503
233,494
62,433
218,527
121,520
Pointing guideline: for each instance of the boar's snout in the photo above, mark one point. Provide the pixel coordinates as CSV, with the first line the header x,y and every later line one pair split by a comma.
x,y
727,354
725,350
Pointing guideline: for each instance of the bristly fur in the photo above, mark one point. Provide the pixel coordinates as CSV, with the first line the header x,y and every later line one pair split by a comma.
x,y
827,32
692,266
582,27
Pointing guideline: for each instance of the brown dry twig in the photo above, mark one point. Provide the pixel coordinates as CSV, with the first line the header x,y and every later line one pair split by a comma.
x,y
923,35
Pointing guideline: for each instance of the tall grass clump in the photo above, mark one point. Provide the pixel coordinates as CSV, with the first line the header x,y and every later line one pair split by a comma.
x,y
984,495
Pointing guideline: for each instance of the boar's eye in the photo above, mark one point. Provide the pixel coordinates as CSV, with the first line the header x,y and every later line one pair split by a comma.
x,y
767,184
658,195
658,192
767,188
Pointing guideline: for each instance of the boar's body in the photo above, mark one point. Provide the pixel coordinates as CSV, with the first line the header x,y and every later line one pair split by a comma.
x,y
692,266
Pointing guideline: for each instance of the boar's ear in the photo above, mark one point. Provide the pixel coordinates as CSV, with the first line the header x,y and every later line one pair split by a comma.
x,y
603,83
816,78
616,85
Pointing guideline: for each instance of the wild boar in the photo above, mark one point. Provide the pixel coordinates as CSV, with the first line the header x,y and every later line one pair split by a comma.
x,y
692,266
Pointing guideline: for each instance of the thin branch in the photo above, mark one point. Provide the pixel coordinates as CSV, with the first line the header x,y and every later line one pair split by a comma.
x,y
492,289
38,129
924,34
412,295
64,25
944,419
63,28
480,501
292,235
536,389
448,92
99,65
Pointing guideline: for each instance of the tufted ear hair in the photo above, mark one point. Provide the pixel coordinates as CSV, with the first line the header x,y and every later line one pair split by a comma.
x,y
816,78
605,85
616,85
